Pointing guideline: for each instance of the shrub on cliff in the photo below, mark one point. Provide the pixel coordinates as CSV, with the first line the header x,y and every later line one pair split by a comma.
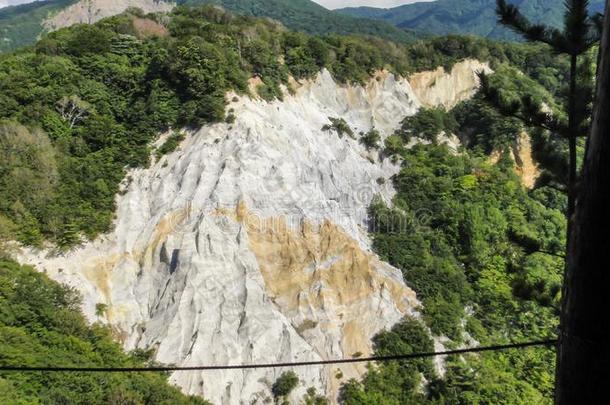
x,y
284,385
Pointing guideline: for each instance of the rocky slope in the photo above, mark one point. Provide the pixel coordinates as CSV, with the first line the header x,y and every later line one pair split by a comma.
x,y
439,87
249,244
22,25
91,11
476,17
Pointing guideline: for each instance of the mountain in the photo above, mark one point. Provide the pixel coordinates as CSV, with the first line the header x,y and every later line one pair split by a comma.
x,y
463,16
180,267
308,16
22,25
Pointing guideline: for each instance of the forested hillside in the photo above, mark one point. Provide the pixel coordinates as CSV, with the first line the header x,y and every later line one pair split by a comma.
x,y
85,103
307,16
22,25
476,17
483,253
478,250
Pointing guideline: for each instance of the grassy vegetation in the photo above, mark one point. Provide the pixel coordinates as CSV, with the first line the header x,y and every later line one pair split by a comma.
x,y
170,145
340,126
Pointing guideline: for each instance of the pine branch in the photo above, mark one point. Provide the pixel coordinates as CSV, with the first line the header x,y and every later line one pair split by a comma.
x,y
526,109
510,16
578,27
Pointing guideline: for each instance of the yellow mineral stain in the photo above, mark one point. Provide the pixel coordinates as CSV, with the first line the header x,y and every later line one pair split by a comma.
x,y
99,271
525,166
316,268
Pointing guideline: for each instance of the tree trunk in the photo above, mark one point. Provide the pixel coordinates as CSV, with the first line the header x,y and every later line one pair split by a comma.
x,y
583,355
573,132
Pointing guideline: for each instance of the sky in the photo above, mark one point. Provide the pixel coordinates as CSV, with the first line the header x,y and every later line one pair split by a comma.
x,y
4,3
332,4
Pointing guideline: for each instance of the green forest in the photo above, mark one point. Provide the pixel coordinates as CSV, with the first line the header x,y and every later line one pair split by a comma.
x,y
23,24
476,17
483,253
478,250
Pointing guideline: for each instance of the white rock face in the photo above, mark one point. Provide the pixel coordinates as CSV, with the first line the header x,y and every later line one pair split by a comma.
x,y
249,244
91,11
439,87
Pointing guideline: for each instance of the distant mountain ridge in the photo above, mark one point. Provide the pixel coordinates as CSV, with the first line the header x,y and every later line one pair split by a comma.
x,y
463,16
308,16
22,25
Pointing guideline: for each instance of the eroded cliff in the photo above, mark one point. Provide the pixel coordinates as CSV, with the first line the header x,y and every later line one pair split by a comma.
x,y
249,243
91,11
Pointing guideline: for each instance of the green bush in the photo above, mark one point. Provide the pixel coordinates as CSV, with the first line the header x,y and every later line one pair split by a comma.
x,y
394,382
340,126
393,146
371,139
284,385
427,124
171,144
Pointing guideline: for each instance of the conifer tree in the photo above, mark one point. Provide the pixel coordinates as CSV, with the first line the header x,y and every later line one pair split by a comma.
x,y
584,351
69,236
581,32
579,370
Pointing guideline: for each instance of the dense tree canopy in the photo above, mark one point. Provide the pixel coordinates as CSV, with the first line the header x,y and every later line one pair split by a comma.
x,y
473,243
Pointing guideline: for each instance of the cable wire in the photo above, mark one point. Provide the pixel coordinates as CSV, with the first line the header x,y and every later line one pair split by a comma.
x,y
408,356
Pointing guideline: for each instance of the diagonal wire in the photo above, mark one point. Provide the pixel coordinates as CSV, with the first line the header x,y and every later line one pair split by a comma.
x,y
408,356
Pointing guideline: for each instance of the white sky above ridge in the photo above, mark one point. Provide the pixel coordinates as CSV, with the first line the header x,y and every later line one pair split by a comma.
x,y
332,4
5,3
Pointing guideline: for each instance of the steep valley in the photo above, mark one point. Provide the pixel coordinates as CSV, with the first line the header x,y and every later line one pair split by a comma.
x,y
249,243
200,188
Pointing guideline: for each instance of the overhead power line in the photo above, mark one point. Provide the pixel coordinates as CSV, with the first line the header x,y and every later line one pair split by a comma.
x,y
408,356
